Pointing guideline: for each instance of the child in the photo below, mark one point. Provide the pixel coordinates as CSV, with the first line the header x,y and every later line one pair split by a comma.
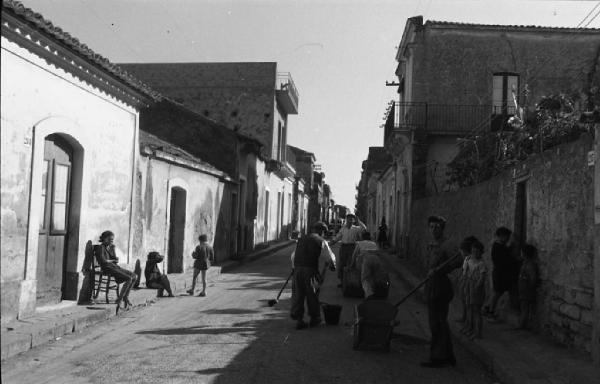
x,y
503,267
477,273
465,250
203,255
528,279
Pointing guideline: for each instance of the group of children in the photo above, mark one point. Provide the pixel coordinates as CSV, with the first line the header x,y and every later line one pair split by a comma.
x,y
508,274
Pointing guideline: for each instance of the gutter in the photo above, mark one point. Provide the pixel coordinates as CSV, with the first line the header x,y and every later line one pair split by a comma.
x,y
195,166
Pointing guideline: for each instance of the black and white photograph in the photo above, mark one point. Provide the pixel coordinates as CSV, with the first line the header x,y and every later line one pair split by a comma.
x,y
300,191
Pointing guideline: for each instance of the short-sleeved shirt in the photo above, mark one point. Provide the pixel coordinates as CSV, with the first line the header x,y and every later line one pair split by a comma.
x,y
439,286
349,235
203,254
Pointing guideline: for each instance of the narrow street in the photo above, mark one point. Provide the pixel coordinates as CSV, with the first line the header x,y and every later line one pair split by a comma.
x,y
233,336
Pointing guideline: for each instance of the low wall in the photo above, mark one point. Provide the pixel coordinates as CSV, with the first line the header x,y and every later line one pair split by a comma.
x,y
559,222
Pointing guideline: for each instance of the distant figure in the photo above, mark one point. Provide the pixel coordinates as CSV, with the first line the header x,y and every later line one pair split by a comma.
x,y
154,278
310,249
107,259
203,255
476,278
528,282
382,234
349,234
443,258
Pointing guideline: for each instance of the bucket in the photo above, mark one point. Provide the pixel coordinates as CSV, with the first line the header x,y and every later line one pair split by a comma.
x,y
331,312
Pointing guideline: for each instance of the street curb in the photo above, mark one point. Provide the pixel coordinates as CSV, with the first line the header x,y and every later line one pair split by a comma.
x,y
14,343
478,351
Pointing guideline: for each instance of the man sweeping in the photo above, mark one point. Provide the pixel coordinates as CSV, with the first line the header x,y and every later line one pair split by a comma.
x,y
310,249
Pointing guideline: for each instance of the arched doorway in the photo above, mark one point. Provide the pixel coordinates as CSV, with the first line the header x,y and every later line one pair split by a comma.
x,y
54,261
176,230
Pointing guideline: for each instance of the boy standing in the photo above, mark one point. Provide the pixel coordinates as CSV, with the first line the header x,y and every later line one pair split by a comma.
x,y
203,255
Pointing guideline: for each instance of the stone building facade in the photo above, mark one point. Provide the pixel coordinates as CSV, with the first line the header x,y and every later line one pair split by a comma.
x,y
251,99
69,144
550,197
456,80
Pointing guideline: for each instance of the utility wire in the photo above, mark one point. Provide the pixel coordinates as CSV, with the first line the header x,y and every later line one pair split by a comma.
x,y
589,13
593,18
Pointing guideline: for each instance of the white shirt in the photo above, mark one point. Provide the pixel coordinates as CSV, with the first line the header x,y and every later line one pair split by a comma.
x,y
350,235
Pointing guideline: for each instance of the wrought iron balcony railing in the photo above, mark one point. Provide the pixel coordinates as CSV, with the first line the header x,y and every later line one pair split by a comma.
x,y
287,94
446,119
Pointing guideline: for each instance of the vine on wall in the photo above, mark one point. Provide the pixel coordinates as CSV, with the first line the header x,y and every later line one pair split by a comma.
x,y
555,120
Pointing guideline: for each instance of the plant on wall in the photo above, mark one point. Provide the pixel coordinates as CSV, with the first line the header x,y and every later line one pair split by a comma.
x,y
555,120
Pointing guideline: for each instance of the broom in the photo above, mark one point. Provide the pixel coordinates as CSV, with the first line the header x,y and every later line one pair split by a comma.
x,y
273,302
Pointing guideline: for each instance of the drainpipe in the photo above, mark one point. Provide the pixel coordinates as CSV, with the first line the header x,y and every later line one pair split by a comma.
x,y
595,344
135,154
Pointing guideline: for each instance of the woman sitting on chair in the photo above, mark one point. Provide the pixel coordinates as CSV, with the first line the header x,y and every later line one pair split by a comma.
x,y
154,278
107,259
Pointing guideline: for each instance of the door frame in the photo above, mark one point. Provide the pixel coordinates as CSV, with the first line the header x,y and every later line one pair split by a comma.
x,y
182,184
80,188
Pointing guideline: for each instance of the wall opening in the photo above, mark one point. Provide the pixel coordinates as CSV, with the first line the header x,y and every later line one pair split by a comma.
x,y
176,230
520,227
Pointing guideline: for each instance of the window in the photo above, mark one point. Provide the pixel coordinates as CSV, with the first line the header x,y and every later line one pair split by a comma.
x,y
59,208
505,92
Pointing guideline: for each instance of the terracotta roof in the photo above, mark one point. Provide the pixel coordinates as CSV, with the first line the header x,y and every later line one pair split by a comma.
x,y
154,143
37,21
501,26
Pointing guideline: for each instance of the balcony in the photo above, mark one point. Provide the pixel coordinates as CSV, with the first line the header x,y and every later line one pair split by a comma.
x,y
286,93
446,119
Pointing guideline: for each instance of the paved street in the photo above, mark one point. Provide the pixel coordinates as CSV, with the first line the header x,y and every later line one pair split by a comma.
x,y
232,336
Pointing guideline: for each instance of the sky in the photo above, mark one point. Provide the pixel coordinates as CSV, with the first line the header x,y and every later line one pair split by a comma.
x,y
340,53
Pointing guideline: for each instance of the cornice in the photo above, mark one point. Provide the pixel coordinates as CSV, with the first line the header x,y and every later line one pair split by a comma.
x,y
56,54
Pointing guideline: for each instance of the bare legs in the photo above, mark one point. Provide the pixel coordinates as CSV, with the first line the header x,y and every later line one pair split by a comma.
x,y
202,274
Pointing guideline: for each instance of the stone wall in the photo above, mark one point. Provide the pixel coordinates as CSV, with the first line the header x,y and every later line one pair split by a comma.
x,y
241,96
203,205
559,222
456,63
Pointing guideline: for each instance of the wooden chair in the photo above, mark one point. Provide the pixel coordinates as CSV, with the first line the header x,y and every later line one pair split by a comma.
x,y
102,282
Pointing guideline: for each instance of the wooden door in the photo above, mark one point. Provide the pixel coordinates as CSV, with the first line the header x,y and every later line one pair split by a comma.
x,y
176,231
54,214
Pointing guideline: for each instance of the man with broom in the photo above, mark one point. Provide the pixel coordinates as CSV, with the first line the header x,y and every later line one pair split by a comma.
x,y
442,259
307,279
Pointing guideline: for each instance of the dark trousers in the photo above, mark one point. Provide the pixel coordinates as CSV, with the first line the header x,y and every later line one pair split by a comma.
x,y
162,284
345,254
441,344
303,291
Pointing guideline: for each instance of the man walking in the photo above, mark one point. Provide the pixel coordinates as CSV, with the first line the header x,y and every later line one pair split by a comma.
x,y
305,259
443,257
349,234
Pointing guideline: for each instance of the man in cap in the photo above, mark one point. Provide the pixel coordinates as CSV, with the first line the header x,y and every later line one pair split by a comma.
x,y
349,234
310,249
443,257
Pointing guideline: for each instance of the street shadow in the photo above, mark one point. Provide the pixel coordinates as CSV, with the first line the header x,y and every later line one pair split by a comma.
x,y
258,285
229,311
200,330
